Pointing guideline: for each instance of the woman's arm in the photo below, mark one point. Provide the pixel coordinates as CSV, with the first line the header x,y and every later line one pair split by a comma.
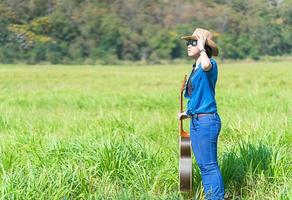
x,y
205,61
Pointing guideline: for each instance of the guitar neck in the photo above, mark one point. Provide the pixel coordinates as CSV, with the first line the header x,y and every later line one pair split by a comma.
x,y
181,105
181,110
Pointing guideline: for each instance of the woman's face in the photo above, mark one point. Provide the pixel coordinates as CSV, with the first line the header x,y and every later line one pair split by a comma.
x,y
192,48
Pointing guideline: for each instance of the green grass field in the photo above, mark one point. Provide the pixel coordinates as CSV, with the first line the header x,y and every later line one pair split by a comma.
x,y
111,132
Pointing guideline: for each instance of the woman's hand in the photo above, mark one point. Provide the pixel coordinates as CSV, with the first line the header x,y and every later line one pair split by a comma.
x,y
201,41
182,115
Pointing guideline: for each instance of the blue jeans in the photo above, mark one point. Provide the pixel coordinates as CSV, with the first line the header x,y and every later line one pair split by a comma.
x,y
204,132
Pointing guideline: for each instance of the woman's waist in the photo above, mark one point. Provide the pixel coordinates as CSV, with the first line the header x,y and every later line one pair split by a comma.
x,y
202,118
198,115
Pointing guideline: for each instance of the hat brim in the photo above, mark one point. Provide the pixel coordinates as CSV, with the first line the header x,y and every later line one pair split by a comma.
x,y
189,37
210,43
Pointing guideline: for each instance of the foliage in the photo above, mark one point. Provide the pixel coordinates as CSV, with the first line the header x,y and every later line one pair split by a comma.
x,y
108,31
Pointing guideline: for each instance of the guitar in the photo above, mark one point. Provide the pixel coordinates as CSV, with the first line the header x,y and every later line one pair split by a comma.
x,y
185,157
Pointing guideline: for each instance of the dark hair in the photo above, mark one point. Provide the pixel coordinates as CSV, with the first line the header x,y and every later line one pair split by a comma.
x,y
208,51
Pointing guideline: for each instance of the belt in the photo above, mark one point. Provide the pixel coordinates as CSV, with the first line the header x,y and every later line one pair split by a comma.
x,y
201,114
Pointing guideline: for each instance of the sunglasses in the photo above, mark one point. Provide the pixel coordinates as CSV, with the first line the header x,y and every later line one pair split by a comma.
x,y
192,42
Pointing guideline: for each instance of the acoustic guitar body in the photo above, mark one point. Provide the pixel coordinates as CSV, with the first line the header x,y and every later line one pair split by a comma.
x,y
185,164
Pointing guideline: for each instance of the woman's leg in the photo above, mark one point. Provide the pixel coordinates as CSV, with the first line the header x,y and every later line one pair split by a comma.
x,y
204,135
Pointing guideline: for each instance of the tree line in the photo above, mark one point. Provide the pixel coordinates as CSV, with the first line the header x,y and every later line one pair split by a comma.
x,y
108,31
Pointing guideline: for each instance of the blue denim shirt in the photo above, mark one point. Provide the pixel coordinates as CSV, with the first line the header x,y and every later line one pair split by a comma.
x,y
202,98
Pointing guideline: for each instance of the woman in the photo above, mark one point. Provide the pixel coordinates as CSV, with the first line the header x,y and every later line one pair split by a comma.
x,y
205,123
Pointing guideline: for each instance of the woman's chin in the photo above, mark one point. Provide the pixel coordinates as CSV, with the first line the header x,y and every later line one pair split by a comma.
x,y
193,55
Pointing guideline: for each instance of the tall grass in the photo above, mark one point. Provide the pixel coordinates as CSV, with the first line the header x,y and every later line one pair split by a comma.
x,y
112,133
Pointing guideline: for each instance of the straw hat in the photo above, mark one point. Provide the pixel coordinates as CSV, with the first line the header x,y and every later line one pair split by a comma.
x,y
208,36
